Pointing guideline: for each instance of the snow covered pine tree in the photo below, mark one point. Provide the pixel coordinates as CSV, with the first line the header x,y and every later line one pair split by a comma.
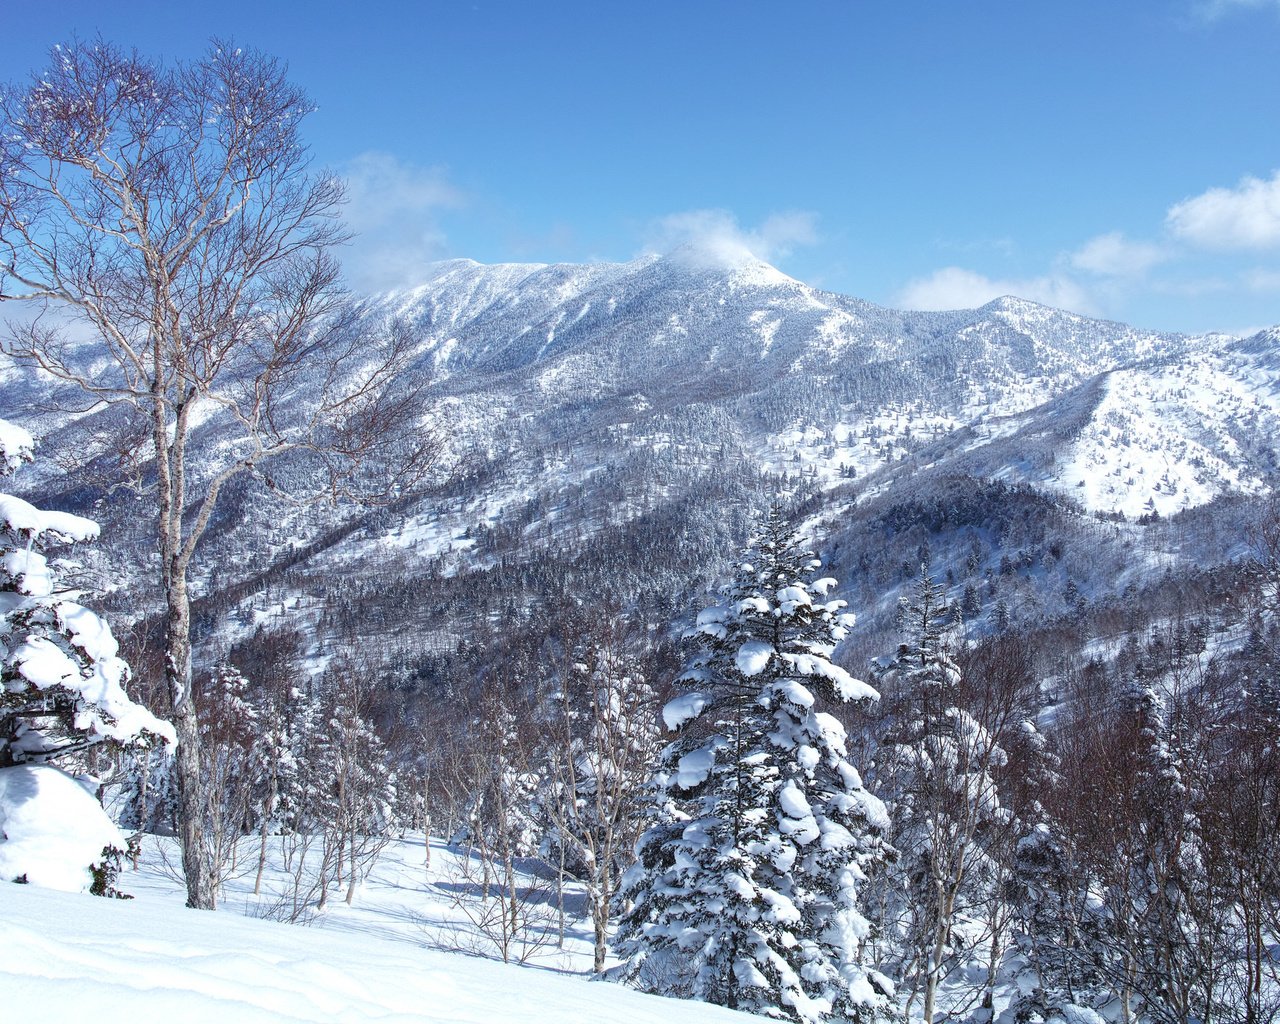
x,y
746,893
936,768
63,681
61,692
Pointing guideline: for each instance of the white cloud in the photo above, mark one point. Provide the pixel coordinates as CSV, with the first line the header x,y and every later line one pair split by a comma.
x,y
957,288
1244,217
1195,257
1259,280
392,208
1212,10
1113,255
717,235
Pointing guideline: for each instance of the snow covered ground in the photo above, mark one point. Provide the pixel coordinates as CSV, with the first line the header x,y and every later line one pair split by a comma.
x,y
69,957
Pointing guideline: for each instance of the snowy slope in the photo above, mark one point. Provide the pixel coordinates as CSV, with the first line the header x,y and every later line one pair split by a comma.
x,y
1168,438
83,958
1159,437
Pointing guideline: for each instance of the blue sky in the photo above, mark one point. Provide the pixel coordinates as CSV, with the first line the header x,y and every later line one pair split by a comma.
x,y
1118,159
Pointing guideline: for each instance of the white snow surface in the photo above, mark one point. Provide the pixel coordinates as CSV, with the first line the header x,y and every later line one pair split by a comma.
x,y
683,708
753,657
693,769
153,959
51,830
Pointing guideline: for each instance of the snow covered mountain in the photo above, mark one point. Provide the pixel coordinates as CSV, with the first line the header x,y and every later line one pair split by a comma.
x,y
617,421
658,323
1157,436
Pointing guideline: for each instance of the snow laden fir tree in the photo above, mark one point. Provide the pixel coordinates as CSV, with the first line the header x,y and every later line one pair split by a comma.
x,y
63,681
746,891
61,695
936,768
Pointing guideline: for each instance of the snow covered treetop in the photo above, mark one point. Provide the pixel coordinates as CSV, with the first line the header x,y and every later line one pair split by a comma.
x,y
15,446
774,621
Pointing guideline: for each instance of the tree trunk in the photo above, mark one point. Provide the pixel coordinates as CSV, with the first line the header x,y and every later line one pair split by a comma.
x,y
144,806
600,918
352,876
268,809
560,896
426,820
196,864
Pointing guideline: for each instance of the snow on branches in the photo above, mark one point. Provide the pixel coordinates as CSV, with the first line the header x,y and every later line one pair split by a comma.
x,y
746,892
61,675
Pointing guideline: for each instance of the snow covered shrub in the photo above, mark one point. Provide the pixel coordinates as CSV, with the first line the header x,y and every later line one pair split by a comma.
x,y
53,833
746,892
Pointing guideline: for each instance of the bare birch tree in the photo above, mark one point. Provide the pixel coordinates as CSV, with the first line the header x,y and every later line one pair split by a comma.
x,y
605,739
170,213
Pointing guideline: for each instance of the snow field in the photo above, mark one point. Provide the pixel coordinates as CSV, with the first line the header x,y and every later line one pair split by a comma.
x,y
71,957
1161,441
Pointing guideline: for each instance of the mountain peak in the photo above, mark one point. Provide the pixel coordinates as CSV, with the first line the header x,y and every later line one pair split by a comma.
x,y
1012,304
743,267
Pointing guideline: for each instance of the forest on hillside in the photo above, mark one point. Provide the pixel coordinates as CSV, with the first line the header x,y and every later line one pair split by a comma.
x,y
901,678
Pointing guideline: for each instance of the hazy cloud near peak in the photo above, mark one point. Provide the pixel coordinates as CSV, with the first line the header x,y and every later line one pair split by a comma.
x,y
958,288
1244,217
717,235
392,207
1114,255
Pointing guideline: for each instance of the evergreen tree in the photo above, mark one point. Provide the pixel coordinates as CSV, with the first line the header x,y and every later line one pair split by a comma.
x,y
354,808
1162,925
61,677
61,694
229,756
936,771
1050,966
746,892
276,770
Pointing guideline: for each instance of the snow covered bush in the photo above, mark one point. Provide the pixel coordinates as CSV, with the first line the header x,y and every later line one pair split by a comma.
x,y
54,834
746,893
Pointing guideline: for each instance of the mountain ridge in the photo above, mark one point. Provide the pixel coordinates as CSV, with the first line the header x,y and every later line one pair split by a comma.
x,y
589,410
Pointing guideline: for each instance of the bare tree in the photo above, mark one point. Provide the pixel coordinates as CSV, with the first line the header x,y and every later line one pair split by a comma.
x,y
230,734
605,739
494,883
170,213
